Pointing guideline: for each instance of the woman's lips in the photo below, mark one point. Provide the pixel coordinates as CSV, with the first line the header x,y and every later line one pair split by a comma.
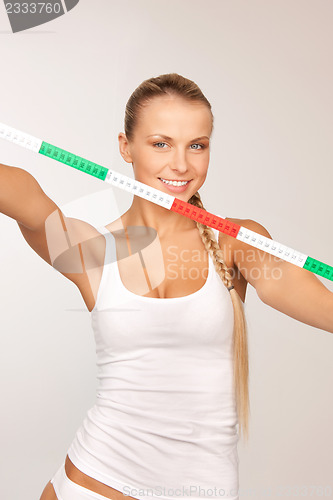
x,y
175,189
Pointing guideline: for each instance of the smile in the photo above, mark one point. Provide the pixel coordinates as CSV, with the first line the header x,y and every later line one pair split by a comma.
x,y
174,183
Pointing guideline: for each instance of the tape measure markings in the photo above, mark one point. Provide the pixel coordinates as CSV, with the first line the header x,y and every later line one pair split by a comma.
x,y
167,201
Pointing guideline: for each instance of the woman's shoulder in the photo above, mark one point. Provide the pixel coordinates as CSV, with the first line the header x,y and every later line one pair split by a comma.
x,y
234,251
230,245
250,224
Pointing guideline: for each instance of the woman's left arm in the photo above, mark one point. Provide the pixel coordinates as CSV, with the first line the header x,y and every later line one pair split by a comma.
x,y
286,287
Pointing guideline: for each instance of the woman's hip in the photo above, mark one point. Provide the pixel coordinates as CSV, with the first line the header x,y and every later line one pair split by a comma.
x,y
68,490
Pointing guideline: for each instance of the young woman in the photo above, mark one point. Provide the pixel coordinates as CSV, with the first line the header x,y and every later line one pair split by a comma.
x,y
166,299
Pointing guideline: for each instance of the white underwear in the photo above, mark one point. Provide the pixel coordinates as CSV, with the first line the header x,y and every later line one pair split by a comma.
x,y
68,490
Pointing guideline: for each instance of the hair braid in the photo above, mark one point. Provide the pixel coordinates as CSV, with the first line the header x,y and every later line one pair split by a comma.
x,y
240,345
212,245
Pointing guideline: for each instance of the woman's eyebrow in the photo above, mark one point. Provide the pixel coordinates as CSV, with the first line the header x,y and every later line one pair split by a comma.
x,y
170,138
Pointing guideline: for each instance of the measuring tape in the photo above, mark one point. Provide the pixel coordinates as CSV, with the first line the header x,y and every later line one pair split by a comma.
x,y
164,200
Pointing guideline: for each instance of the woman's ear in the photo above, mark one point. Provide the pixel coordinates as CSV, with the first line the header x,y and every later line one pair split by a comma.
x,y
124,147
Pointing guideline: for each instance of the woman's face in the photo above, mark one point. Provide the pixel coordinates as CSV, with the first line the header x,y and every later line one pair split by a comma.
x,y
171,142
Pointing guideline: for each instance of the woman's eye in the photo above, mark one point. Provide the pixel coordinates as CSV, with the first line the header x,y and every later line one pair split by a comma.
x,y
202,146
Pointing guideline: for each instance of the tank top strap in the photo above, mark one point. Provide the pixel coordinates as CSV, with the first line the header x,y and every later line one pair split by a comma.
x,y
216,233
110,255
110,249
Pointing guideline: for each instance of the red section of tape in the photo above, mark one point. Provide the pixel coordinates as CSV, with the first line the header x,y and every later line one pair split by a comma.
x,y
200,215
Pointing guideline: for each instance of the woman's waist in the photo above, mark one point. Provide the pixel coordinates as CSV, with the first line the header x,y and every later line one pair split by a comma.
x,y
191,425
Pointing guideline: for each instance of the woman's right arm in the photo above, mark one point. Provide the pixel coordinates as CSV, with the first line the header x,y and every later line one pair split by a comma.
x,y
67,244
22,199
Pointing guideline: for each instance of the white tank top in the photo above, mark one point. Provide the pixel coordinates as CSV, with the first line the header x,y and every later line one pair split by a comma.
x,y
164,424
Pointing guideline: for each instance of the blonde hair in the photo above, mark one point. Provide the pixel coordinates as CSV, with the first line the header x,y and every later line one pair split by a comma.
x,y
173,84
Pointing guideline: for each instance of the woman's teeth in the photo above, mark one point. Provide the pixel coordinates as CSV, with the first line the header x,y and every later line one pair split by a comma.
x,y
174,183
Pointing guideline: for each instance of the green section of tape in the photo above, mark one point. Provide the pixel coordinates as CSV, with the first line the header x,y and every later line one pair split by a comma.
x,y
318,267
74,161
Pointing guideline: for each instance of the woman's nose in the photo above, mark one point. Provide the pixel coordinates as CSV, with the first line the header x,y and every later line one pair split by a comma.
x,y
179,162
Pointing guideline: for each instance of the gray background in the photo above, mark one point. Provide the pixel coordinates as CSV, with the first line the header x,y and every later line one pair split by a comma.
x,y
266,68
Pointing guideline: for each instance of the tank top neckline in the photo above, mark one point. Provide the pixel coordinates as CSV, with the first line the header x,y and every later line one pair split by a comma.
x,y
142,297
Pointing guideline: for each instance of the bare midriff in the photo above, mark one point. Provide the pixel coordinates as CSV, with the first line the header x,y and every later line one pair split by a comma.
x,y
78,477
